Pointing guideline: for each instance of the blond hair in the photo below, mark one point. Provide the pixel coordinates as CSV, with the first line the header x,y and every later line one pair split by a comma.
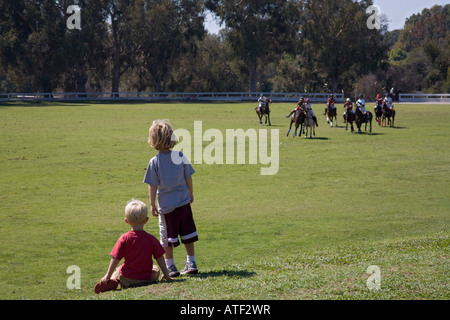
x,y
161,136
136,212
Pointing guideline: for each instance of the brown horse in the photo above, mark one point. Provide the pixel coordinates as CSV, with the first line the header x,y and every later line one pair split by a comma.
x,y
349,118
331,113
361,118
297,117
378,110
388,114
264,111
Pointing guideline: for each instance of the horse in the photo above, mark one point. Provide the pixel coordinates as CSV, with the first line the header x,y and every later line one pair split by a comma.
x,y
264,111
309,124
388,113
378,110
331,112
361,118
349,118
298,117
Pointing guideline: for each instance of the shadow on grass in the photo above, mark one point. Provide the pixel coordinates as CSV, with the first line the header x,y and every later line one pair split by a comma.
x,y
369,133
227,273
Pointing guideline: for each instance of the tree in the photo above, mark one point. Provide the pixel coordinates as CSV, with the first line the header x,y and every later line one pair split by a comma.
x,y
85,50
421,55
337,43
213,68
162,31
256,27
119,45
31,34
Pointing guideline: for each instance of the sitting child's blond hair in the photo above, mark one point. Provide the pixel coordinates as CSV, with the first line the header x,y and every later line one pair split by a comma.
x,y
136,212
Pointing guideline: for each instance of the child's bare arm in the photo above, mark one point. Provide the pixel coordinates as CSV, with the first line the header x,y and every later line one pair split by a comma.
x,y
190,188
163,267
112,266
152,191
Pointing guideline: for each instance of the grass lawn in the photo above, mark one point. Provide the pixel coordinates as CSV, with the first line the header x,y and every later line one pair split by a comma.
x,y
339,203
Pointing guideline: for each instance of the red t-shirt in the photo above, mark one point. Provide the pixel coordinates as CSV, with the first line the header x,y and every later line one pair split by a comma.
x,y
137,249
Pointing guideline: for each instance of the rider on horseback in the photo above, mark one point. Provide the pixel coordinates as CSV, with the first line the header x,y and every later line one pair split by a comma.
x,y
297,108
301,103
388,102
379,101
311,112
262,101
348,106
330,103
361,104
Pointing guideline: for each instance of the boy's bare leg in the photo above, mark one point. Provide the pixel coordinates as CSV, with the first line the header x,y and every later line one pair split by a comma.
x,y
190,249
169,252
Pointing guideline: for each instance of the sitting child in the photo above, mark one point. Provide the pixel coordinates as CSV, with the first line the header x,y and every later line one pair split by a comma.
x,y
136,247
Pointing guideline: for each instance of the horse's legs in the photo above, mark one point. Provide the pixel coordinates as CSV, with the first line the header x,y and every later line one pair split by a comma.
x,y
260,117
268,117
290,127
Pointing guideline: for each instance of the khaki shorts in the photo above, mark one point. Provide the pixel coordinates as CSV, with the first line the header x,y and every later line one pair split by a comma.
x,y
129,283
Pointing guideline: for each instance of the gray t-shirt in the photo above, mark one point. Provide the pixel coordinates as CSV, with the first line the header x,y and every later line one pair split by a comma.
x,y
168,172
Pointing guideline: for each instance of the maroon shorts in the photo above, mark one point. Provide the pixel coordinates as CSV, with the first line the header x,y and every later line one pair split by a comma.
x,y
177,223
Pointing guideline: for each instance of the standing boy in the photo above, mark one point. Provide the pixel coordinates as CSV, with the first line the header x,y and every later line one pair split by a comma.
x,y
169,176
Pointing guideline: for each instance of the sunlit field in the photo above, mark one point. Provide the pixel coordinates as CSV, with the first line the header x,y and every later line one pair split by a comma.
x,y
339,203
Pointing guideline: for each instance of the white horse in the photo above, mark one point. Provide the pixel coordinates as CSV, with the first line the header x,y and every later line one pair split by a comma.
x,y
309,125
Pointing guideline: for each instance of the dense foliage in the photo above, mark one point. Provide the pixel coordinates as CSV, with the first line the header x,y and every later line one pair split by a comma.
x,y
269,45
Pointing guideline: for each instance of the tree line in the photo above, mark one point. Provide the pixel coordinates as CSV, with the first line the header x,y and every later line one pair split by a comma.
x,y
266,45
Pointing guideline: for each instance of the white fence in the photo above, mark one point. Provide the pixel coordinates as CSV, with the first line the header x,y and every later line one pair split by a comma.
x,y
423,97
200,96
166,96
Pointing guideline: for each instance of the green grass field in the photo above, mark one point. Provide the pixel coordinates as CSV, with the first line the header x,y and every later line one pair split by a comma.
x,y
339,203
